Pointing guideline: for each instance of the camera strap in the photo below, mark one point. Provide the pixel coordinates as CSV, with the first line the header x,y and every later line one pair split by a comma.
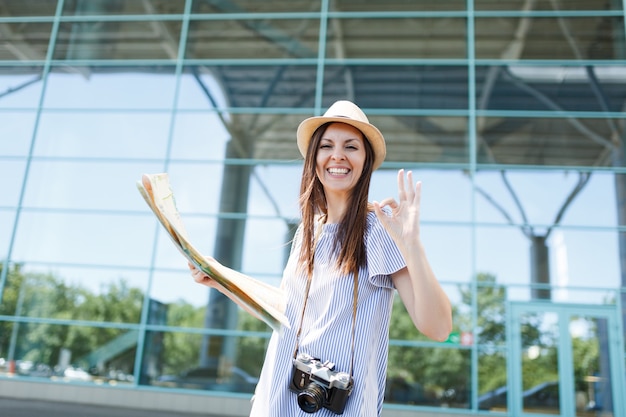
x,y
306,298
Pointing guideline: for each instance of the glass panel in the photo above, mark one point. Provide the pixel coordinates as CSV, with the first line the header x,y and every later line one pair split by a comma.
x,y
118,40
21,8
75,293
266,248
107,7
200,89
569,5
540,352
435,377
201,232
103,134
266,38
412,38
492,380
539,141
24,41
183,298
56,237
491,301
11,178
199,136
548,38
66,353
16,130
558,88
441,248
110,88
404,87
435,206
85,185
20,87
518,5
264,86
546,197
7,217
177,361
503,253
274,191
394,5
593,379
254,6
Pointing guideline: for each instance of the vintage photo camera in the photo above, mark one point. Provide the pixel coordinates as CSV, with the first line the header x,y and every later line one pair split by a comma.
x,y
319,385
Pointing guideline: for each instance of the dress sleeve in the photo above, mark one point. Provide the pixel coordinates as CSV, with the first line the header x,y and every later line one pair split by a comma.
x,y
383,256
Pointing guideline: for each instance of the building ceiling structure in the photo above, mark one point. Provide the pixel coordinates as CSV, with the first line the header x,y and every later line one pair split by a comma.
x,y
522,102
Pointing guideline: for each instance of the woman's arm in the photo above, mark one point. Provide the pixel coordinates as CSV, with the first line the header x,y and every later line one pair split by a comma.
x,y
426,302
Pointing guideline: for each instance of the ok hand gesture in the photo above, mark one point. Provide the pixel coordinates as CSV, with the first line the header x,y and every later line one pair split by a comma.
x,y
402,222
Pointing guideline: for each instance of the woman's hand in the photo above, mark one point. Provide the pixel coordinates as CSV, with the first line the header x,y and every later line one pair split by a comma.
x,y
200,277
402,223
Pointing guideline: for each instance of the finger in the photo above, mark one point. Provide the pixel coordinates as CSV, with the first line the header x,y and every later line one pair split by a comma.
x,y
418,193
410,195
401,189
389,202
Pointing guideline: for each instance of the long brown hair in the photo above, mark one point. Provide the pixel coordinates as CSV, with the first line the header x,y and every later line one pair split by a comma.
x,y
350,243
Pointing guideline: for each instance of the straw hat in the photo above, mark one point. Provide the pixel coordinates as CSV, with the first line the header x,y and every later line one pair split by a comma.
x,y
345,112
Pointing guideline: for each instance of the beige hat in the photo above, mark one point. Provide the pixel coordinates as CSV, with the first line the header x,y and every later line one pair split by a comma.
x,y
345,112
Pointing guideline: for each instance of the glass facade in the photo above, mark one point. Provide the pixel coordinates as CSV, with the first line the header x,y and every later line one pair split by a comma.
x,y
512,114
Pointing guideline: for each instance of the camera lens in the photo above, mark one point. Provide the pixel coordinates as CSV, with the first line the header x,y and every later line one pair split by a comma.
x,y
311,398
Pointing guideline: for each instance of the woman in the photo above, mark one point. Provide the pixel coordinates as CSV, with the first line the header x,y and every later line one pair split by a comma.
x,y
347,258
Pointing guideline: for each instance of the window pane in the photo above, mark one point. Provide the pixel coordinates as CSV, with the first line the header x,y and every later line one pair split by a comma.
x,y
58,237
266,247
109,88
6,230
545,197
11,179
492,380
412,38
20,8
394,5
107,7
434,377
76,293
16,131
254,6
24,41
596,88
450,258
517,5
262,38
20,87
84,185
199,136
66,353
403,87
549,38
103,134
545,141
180,364
435,205
265,86
118,40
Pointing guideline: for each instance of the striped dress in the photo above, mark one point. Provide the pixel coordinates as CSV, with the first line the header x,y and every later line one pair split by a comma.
x,y
327,325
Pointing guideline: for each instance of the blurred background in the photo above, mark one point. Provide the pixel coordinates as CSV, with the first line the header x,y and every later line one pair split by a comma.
x,y
511,112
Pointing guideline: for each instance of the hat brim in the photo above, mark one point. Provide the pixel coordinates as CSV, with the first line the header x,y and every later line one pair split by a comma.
x,y
372,134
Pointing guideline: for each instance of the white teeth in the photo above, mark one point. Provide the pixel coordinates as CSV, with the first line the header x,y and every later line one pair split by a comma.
x,y
337,170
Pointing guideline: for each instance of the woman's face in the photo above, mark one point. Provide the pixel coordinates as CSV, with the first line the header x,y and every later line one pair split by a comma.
x,y
340,158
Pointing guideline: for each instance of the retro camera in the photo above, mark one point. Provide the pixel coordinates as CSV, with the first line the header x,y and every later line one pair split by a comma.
x,y
319,385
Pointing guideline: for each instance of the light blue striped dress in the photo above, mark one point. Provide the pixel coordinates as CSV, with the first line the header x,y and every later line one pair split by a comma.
x,y
327,325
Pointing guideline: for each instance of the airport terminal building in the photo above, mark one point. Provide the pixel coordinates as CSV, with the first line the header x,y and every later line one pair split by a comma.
x,y
512,113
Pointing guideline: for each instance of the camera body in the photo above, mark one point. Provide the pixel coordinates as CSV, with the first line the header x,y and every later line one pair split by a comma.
x,y
319,385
